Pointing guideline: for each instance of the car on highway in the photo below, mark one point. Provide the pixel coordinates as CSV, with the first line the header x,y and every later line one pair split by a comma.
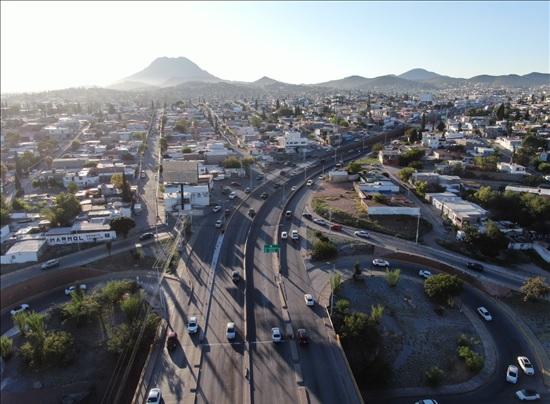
x,y
377,262
259,177
424,273
303,337
146,236
142,174
294,235
230,331
475,266
172,341
320,222
426,401
284,235
307,215
288,214
264,196
232,195
216,208
309,299
309,182
277,185
247,190
219,223
293,188
483,312
235,276
276,334
527,395
72,289
362,233
192,325
251,212
235,184
19,309
50,264
526,366
154,396
227,212
512,374
336,227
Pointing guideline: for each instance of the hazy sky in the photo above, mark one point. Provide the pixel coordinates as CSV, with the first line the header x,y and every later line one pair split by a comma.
x,y
51,45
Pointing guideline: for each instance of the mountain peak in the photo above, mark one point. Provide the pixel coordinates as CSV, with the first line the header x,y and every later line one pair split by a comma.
x,y
418,74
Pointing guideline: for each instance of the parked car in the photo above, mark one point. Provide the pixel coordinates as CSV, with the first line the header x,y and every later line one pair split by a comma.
x,y
154,396
146,236
512,374
232,195
377,262
235,276
526,366
307,215
424,273
362,233
309,299
71,289
284,235
172,341
192,325
216,209
294,235
50,264
276,334
19,309
230,331
483,312
264,196
527,395
475,266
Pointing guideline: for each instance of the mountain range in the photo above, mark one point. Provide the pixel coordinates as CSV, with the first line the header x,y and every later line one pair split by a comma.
x,y
165,72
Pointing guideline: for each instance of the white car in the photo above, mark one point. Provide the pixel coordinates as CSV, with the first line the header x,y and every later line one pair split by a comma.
x,y
232,195
527,395
276,335
219,223
293,188
483,312
309,182
512,374
424,273
19,309
319,221
284,235
71,289
526,366
230,331
50,264
154,396
428,401
362,233
294,235
309,299
216,209
377,262
192,325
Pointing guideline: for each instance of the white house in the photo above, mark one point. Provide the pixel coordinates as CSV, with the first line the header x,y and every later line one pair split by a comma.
x,y
24,251
511,168
291,140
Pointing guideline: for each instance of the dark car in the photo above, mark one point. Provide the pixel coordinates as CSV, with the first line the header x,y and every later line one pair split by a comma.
x,y
259,177
307,215
172,341
251,212
303,338
475,266
146,236
277,185
227,212
264,196
235,183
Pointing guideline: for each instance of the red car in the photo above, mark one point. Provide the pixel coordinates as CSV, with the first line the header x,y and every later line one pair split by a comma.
x,y
227,212
336,227
235,183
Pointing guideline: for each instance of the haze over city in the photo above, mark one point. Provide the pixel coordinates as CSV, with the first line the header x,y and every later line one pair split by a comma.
x,y
56,45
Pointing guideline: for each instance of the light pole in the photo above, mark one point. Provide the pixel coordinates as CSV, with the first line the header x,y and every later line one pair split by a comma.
x,y
417,227
332,287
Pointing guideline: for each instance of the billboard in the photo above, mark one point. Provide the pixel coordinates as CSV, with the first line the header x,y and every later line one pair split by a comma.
x,y
97,237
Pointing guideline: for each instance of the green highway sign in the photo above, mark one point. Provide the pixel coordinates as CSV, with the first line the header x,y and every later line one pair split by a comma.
x,y
271,248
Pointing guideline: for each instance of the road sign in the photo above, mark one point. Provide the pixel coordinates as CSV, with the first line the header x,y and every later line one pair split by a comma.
x,y
271,248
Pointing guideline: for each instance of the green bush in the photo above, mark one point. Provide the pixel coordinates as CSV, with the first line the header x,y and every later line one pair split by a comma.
x,y
323,250
392,276
473,360
6,347
434,376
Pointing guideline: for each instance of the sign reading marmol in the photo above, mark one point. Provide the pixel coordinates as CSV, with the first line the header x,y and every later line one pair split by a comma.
x,y
271,248
81,238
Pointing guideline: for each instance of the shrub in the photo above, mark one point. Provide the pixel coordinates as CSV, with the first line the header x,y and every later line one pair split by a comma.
x,y
473,360
434,376
6,347
392,276
323,250
376,313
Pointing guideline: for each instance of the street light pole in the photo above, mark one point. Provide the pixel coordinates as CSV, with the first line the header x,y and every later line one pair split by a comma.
x,y
417,227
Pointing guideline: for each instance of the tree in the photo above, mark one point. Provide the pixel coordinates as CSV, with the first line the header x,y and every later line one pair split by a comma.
x,y
355,326
3,172
116,180
356,271
66,208
132,307
126,192
323,250
6,347
12,139
122,225
441,126
354,167
75,145
5,209
72,188
441,286
186,150
48,160
535,288
405,174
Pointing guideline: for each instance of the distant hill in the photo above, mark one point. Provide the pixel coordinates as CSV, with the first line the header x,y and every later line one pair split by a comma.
x,y
169,72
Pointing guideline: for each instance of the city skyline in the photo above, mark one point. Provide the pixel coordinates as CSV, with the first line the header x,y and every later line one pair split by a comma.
x,y
50,45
